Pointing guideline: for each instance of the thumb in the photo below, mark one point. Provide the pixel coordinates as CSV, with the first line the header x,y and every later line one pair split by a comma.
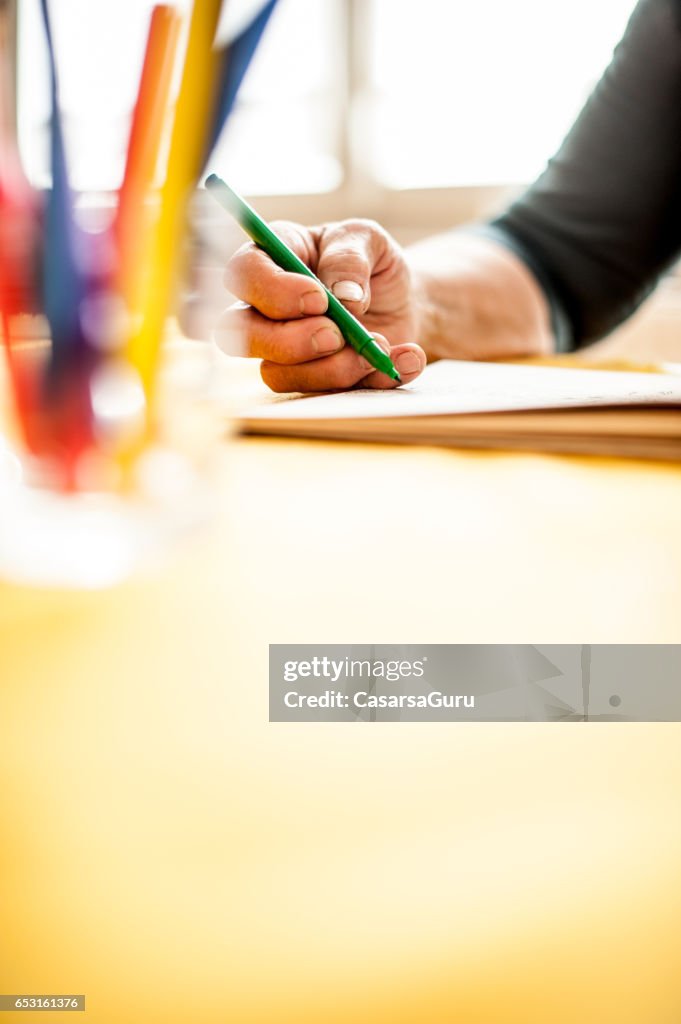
x,y
348,255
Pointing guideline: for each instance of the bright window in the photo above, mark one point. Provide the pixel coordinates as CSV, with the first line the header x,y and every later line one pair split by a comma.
x,y
477,93
283,136
390,94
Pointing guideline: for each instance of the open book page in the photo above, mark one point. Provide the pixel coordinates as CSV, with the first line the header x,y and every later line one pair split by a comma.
x,y
455,388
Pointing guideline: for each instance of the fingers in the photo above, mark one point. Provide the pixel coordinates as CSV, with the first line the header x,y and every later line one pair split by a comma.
x,y
280,317
331,373
253,277
349,253
278,294
242,330
342,370
310,354
409,360
344,256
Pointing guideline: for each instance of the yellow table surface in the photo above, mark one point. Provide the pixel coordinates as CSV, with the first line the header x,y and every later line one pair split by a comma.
x,y
173,856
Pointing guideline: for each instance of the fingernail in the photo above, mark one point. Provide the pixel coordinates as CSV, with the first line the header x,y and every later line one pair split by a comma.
x,y
349,290
313,303
407,363
326,339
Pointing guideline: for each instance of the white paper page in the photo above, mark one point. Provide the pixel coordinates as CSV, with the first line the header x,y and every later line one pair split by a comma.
x,y
451,387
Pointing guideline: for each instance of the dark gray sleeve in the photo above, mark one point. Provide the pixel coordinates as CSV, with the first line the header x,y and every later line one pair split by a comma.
x,y
604,219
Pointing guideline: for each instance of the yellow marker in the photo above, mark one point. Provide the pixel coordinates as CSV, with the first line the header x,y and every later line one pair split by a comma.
x,y
188,139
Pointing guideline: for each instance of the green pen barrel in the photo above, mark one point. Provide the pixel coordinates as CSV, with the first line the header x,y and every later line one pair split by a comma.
x,y
267,240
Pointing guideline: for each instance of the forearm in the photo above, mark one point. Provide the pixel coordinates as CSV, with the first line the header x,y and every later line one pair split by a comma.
x,y
603,221
476,300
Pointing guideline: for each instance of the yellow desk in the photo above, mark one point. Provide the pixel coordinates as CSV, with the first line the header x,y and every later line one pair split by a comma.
x,y
176,858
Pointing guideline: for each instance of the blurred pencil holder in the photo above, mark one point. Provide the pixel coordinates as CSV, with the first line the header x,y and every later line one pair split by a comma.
x,y
119,517
109,461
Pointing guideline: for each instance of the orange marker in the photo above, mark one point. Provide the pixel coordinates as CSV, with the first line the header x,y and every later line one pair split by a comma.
x,y
146,134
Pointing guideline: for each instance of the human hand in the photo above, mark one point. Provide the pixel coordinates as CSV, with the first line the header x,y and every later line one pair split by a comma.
x,y
280,317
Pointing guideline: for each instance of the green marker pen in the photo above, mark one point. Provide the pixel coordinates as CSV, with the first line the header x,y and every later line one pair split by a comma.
x,y
269,242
